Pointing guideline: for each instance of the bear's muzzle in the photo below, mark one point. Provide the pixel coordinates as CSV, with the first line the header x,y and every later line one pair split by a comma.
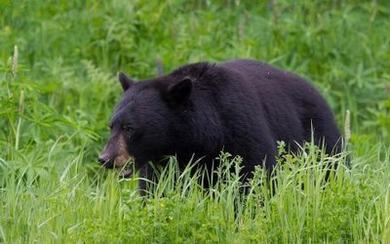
x,y
115,154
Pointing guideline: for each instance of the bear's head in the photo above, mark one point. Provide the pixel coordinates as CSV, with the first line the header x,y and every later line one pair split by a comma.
x,y
148,121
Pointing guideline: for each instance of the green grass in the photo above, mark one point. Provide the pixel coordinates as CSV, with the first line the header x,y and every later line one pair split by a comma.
x,y
56,102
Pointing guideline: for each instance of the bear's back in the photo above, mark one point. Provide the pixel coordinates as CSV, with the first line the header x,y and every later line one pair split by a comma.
x,y
269,80
276,88
288,102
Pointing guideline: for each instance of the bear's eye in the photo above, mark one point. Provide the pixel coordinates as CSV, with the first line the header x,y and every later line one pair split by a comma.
x,y
127,128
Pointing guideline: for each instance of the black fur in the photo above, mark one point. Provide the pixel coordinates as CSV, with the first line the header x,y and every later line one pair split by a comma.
x,y
242,106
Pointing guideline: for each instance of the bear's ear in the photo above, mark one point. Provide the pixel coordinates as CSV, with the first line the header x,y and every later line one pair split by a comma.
x,y
125,81
179,91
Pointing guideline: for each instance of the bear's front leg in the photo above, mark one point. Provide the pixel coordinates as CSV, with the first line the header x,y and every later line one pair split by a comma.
x,y
145,179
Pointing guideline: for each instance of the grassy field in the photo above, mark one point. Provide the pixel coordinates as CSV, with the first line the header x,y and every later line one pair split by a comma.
x,y
58,63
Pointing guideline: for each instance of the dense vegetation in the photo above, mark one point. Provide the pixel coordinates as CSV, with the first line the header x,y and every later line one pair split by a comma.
x,y
58,89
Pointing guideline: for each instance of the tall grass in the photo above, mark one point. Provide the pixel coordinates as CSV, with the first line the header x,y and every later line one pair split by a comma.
x,y
57,77
353,205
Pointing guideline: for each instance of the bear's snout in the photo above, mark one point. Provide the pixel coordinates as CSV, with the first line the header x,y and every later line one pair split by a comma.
x,y
105,161
115,153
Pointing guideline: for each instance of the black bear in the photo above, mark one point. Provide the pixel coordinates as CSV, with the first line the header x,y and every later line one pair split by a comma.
x,y
241,106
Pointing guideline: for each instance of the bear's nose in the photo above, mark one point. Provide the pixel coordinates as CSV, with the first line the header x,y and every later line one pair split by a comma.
x,y
105,162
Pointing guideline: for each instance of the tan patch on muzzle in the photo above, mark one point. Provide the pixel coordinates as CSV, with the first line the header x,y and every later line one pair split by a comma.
x,y
122,156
